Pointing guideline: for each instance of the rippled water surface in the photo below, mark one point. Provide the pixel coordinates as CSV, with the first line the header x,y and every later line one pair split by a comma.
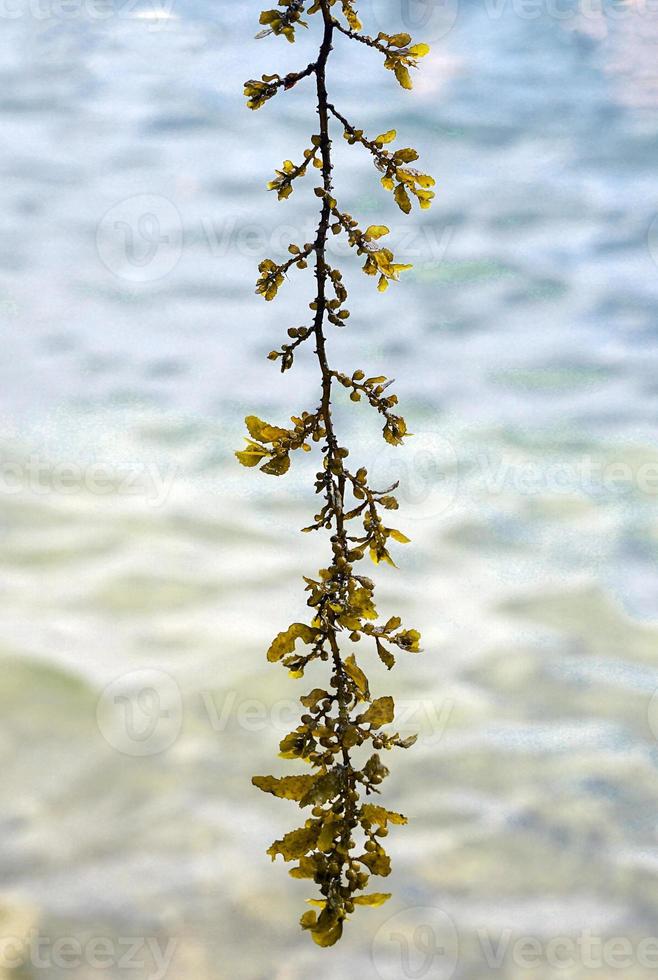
x,y
524,342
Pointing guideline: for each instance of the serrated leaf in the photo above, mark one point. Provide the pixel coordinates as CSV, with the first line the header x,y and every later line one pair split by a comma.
x,y
295,844
355,673
380,816
378,862
317,694
277,466
305,869
385,655
324,788
381,712
402,198
285,787
284,642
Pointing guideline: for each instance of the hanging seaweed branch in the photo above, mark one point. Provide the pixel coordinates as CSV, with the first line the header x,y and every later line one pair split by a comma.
x,y
341,844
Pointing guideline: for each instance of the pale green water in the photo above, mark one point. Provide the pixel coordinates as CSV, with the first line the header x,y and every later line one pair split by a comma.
x,y
524,345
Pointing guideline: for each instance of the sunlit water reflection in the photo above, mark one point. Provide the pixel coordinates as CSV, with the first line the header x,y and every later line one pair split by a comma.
x,y
133,217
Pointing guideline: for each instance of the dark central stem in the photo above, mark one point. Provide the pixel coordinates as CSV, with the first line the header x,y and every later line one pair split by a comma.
x,y
335,479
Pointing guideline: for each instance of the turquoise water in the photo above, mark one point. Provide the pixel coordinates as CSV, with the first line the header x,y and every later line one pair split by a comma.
x,y
136,554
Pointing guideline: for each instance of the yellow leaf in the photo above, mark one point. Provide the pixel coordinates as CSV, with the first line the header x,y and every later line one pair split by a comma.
x,y
328,938
328,929
375,900
419,50
380,815
309,919
403,76
253,455
380,554
324,788
317,694
277,466
377,231
402,198
378,862
399,40
285,642
356,674
398,536
305,869
295,844
262,431
361,600
287,787
425,180
386,137
385,655
381,712
329,830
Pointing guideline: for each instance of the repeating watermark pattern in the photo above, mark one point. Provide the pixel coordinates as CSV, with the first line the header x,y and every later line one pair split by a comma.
x,y
242,235
415,944
425,20
433,20
413,716
140,239
427,471
154,12
564,954
587,476
9,309
40,477
153,957
433,476
424,943
652,240
652,715
142,714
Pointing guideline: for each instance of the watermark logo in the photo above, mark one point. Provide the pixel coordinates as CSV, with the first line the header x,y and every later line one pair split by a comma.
x,y
141,713
652,240
427,470
427,719
140,239
426,20
154,13
416,944
652,714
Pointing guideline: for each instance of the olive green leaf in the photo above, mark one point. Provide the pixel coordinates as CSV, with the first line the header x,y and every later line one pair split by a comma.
x,y
285,642
381,712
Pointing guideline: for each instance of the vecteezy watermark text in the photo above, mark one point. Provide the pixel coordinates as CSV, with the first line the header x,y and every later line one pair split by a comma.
x,y
41,477
151,956
153,11
141,713
424,943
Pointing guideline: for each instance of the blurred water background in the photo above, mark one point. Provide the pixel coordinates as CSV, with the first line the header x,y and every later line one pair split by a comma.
x,y
135,553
